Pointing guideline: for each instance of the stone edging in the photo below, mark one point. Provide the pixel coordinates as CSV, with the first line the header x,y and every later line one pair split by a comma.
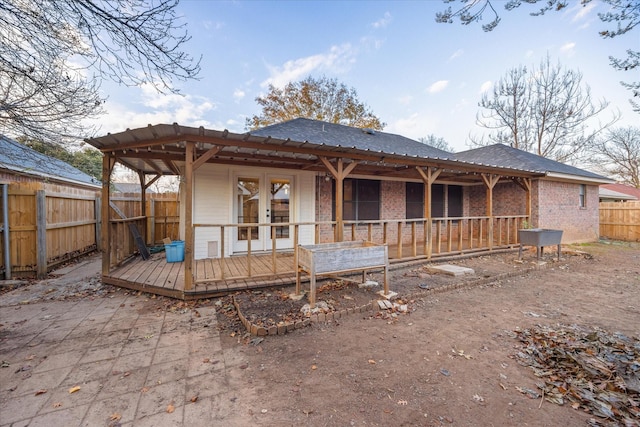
x,y
285,327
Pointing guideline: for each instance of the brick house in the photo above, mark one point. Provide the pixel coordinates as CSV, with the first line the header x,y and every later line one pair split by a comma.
x,y
269,190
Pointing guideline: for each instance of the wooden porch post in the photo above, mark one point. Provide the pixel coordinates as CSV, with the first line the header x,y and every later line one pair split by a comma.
x,y
108,161
428,179
143,204
490,181
339,174
188,215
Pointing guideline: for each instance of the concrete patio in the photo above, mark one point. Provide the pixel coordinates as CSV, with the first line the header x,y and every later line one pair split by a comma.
x,y
132,360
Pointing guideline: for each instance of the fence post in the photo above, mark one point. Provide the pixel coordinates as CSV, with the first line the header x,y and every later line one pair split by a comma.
x,y
152,221
98,214
6,248
41,234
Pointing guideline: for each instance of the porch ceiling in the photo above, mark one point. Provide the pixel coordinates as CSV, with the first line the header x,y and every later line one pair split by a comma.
x,y
159,149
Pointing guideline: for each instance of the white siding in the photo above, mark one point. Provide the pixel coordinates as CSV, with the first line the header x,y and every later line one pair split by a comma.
x,y
214,198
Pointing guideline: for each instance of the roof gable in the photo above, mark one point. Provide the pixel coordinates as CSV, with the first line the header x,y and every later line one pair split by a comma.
x,y
22,159
336,135
502,155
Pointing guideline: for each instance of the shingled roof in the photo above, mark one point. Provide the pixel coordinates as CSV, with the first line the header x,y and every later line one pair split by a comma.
x,y
21,159
336,135
501,155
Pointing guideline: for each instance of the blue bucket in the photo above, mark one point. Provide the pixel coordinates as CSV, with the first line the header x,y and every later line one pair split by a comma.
x,y
175,251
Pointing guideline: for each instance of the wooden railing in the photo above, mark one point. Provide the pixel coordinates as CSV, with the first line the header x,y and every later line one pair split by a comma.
x,y
408,239
122,244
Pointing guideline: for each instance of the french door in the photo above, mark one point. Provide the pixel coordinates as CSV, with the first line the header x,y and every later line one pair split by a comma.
x,y
262,199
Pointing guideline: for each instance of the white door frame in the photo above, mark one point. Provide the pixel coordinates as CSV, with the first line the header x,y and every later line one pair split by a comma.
x,y
263,242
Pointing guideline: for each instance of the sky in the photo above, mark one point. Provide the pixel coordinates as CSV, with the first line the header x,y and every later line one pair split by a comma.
x,y
419,77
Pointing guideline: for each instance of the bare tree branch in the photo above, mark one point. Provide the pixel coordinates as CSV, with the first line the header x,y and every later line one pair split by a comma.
x,y
617,154
55,54
547,112
624,13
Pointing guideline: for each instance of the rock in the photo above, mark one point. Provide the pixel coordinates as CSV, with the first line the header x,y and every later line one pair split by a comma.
x,y
368,284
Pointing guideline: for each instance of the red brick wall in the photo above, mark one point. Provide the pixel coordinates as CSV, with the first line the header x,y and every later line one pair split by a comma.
x,y
508,199
556,205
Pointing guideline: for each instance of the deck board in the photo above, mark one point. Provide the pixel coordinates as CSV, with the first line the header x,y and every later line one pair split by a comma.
x,y
155,275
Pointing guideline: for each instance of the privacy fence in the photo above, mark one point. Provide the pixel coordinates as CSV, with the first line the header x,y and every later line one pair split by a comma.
x,y
51,224
620,221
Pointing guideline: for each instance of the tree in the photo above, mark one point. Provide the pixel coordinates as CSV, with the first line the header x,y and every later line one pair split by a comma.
x,y
55,54
319,99
437,142
624,13
545,112
617,154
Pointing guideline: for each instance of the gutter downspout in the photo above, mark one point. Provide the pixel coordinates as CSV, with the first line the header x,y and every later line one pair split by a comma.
x,y
5,229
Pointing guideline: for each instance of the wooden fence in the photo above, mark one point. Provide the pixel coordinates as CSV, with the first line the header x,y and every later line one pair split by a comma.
x,y
162,212
620,221
50,224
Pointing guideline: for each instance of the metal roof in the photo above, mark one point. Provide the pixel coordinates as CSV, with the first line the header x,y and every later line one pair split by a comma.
x,y
21,159
502,155
160,149
300,144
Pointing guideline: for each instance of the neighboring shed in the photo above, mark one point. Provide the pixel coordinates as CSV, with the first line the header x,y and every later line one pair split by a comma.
x,y
49,208
128,188
618,193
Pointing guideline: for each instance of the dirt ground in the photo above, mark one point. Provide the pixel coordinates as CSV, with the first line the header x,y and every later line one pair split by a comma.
x,y
461,354
453,358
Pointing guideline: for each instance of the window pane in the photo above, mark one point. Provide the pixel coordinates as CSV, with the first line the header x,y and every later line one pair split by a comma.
x,y
414,200
415,210
248,200
455,201
368,190
368,211
415,192
348,211
348,189
437,200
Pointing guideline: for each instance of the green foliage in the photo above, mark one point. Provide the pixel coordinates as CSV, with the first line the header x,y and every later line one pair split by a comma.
x,y
318,99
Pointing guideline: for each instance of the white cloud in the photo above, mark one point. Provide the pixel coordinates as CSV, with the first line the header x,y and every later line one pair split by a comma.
x,y
336,60
568,48
404,100
155,108
458,53
239,94
486,86
583,12
374,43
213,25
415,126
438,86
382,22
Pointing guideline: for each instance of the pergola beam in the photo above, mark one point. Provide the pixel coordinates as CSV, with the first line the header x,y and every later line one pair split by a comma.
x,y
339,172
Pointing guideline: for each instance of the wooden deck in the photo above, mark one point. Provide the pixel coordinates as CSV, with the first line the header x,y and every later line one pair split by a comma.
x,y
159,277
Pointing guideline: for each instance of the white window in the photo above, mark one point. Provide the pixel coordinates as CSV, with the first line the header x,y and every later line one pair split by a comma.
x,y
583,196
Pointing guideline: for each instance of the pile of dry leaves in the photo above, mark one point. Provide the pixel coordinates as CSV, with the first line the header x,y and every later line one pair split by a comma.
x,y
590,369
